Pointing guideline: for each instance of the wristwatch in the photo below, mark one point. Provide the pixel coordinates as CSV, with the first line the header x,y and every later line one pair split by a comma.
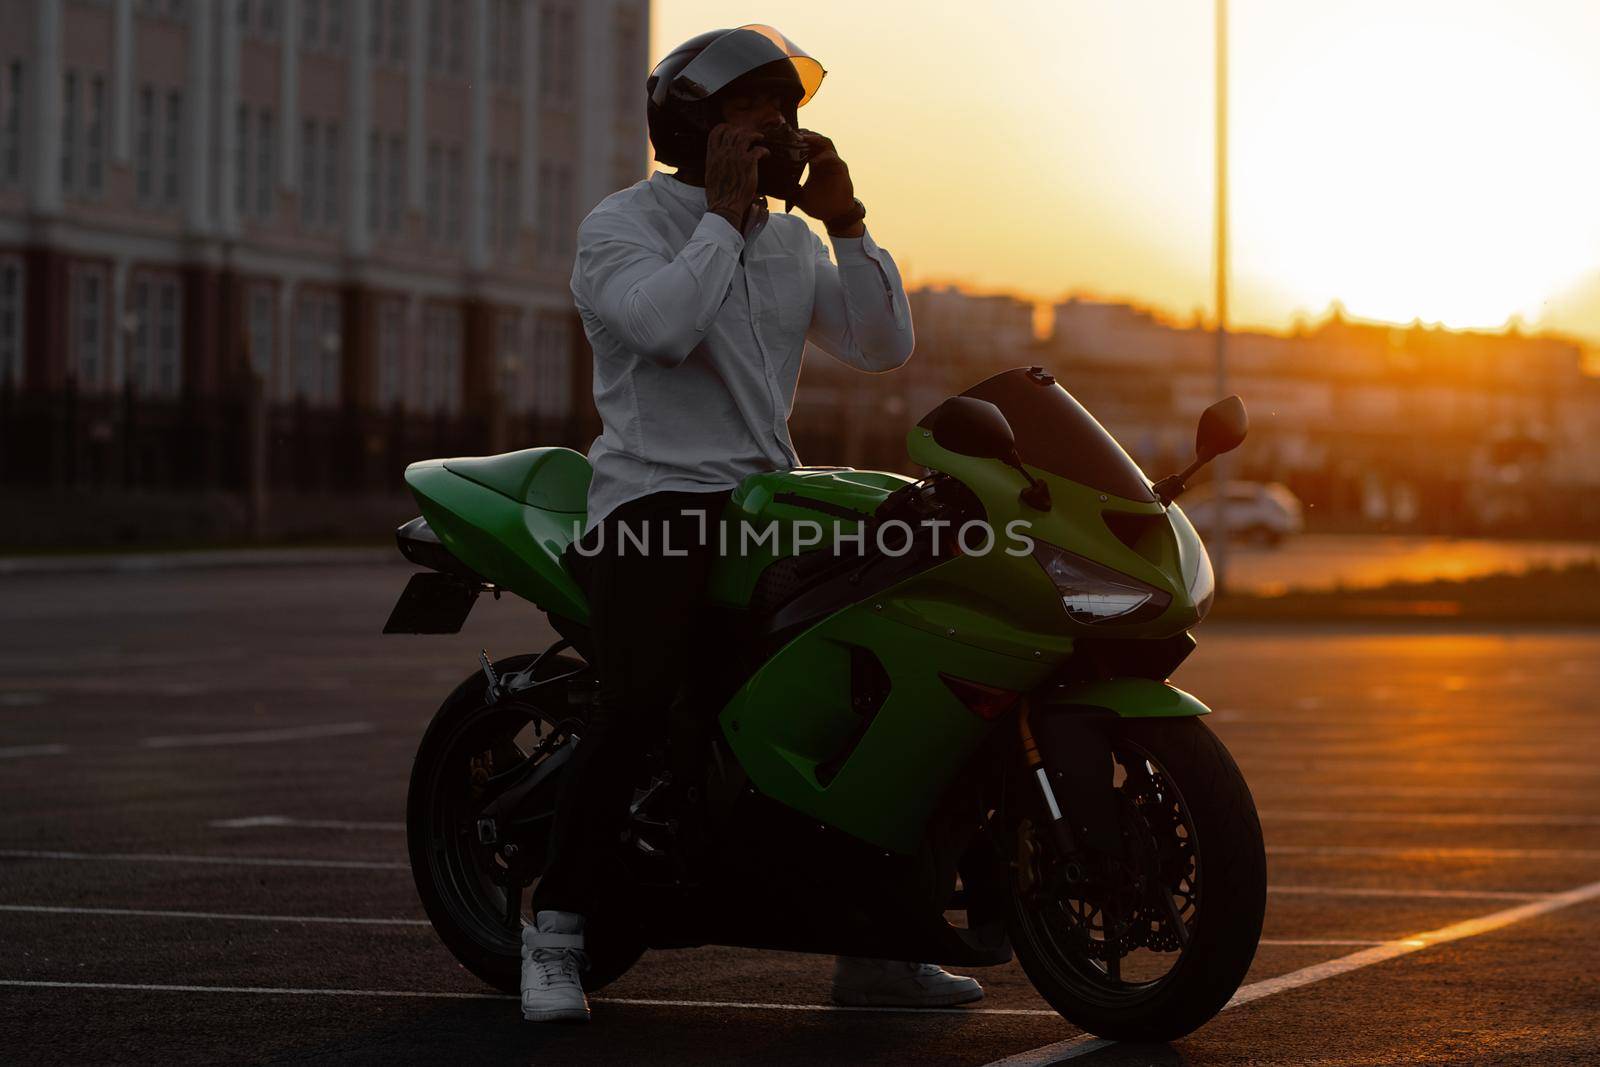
x,y
849,218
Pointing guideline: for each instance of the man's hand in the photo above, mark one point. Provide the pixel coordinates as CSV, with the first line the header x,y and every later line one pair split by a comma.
x,y
731,158
828,192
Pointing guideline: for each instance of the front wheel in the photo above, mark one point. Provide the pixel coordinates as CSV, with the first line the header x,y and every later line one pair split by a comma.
x,y
1149,945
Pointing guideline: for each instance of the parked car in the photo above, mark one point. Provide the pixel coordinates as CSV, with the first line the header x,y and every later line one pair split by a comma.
x,y
1258,512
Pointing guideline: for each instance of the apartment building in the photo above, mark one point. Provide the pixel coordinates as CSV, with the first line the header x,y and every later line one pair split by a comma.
x,y
347,205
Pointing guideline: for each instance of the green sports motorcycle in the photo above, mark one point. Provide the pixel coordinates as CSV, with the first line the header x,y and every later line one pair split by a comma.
x,y
930,719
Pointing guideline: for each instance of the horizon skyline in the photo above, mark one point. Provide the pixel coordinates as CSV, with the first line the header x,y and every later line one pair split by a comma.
x,y
1418,162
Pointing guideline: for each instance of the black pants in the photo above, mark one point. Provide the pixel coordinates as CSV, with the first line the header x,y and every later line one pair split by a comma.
x,y
643,608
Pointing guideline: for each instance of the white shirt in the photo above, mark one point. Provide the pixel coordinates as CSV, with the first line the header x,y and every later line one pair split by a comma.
x,y
698,331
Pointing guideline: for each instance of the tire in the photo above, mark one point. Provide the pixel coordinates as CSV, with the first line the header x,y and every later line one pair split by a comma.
x,y
457,903
1224,928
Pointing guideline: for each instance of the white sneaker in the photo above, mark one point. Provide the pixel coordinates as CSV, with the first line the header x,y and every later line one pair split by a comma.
x,y
552,959
862,983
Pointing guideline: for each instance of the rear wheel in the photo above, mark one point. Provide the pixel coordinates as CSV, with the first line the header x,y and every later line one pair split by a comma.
x,y
473,875
1151,945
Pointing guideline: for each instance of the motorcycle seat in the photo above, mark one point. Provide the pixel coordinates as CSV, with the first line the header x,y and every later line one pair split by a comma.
x,y
552,479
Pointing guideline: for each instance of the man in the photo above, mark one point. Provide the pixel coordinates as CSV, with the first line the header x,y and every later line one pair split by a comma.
x,y
698,304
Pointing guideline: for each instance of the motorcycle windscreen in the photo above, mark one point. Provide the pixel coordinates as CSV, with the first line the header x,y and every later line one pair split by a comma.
x,y
736,54
1058,435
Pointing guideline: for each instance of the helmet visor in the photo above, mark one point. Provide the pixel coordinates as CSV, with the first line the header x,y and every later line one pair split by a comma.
x,y
736,54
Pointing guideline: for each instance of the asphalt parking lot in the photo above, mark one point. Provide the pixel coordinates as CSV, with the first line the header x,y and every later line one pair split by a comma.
x,y
202,776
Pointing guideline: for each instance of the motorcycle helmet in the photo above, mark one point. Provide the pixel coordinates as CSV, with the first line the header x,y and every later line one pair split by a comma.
x,y
682,106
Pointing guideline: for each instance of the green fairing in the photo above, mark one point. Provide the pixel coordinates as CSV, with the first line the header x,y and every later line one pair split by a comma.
x,y
1131,698
992,618
754,507
512,544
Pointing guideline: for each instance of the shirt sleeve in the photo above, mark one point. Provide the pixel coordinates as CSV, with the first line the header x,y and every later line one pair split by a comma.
x,y
860,315
657,307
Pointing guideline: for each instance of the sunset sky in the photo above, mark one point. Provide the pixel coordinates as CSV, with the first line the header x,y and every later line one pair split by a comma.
x,y
1438,161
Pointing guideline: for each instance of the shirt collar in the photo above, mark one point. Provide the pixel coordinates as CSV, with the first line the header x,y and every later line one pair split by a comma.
x,y
691,195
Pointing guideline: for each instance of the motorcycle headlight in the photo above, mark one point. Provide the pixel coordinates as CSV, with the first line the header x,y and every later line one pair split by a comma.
x,y
1093,593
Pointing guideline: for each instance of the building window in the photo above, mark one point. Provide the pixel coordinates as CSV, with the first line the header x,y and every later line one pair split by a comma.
x,y
145,146
11,320
87,327
452,196
558,42
94,138
511,202
397,31
69,132
170,155
308,174
397,176
556,209
259,17
11,129
335,24
266,154
310,23
241,160
630,91
504,202
552,366
392,376
318,342
263,338
374,182
330,174
512,364
435,35
432,191
155,357
457,31
171,9
441,361
253,162
168,345
505,42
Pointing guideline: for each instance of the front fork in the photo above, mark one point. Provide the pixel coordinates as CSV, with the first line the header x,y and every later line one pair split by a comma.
x,y
1060,829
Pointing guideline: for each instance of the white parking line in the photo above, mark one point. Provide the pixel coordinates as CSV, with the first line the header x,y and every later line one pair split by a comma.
x,y
258,737
340,920
1267,766
1467,852
1440,819
1378,952
149,913
221,861
1421,894
1084,1044
18,751
252,822
642,1002
1488,792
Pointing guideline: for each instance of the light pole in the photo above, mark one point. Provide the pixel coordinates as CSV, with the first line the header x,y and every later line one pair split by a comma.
x,y
1219,534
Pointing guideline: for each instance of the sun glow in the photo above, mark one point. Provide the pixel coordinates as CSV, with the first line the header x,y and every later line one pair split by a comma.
x,y
1411,159
1415,168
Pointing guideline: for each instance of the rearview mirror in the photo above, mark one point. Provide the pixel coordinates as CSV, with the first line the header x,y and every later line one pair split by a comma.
x,y
971,427
1223,426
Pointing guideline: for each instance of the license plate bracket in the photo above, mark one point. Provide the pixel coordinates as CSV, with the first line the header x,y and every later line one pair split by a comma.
x,y
432,603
